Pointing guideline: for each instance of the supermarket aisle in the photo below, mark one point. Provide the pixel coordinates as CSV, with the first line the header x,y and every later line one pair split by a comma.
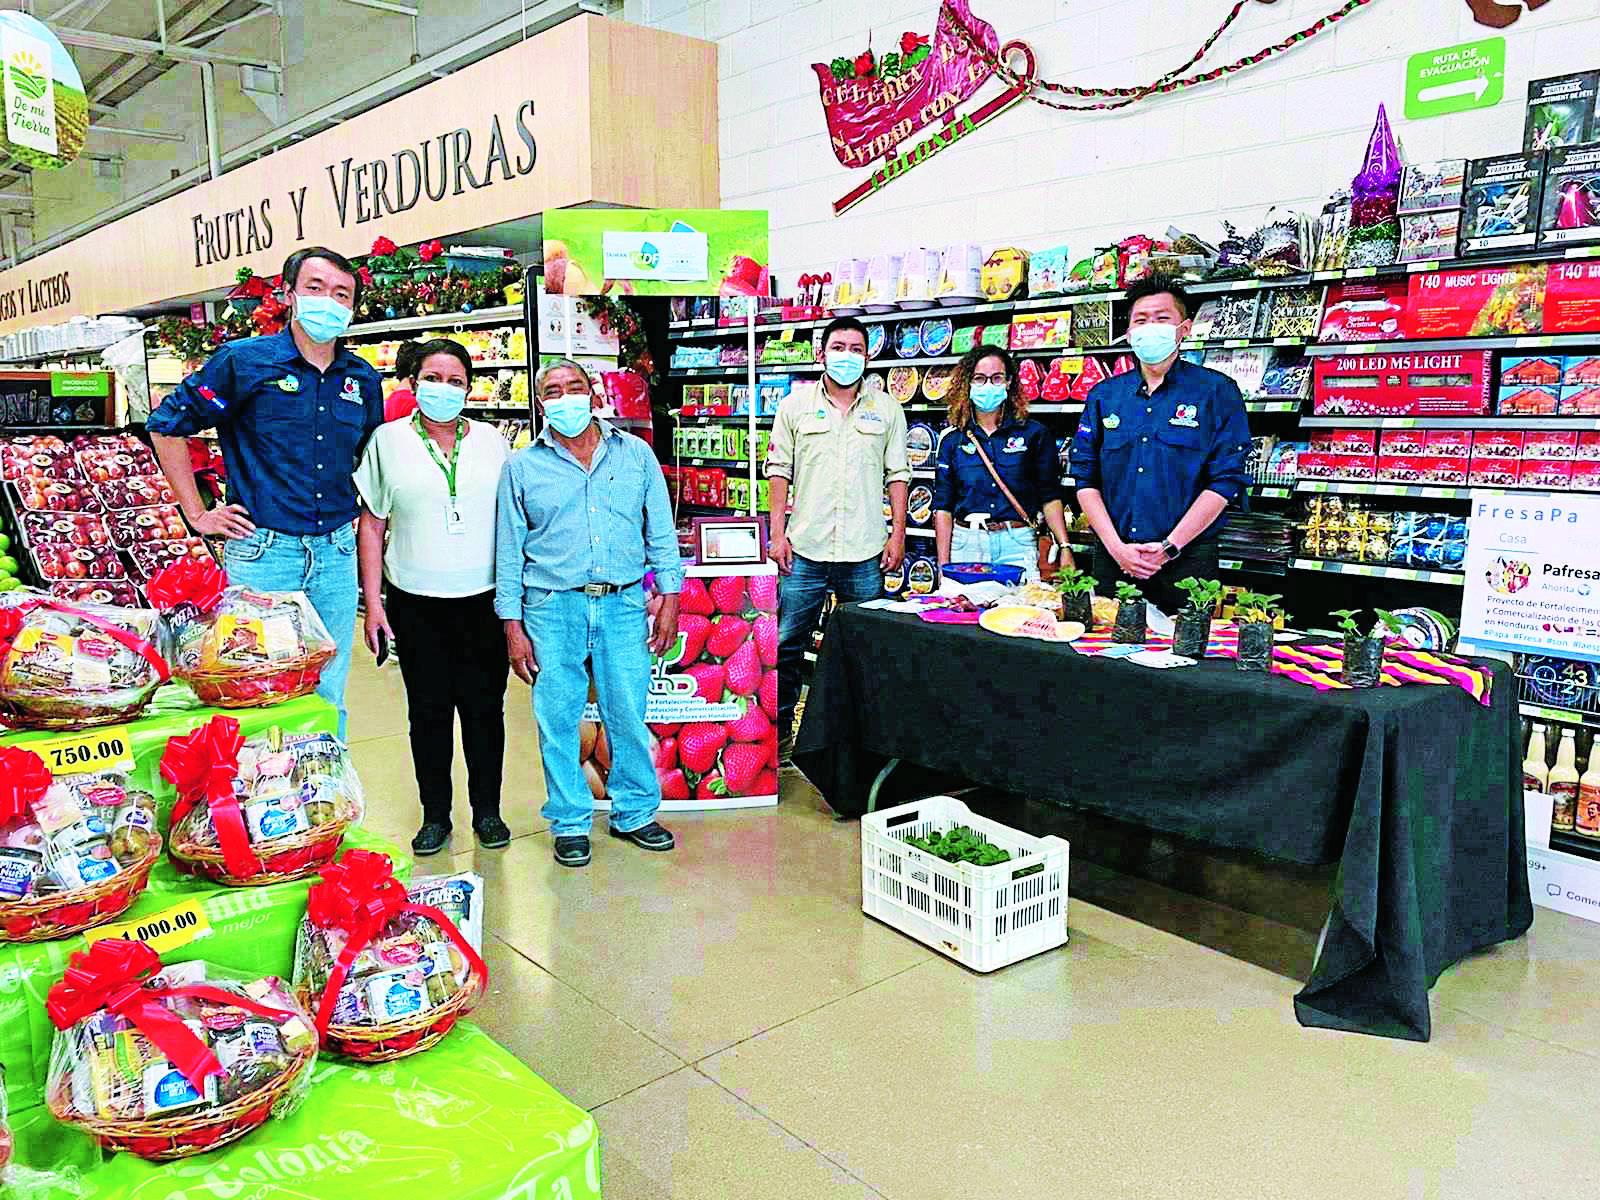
x,y
741,1031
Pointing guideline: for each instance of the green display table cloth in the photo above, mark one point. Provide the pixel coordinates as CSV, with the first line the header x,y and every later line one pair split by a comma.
x,y
463,1121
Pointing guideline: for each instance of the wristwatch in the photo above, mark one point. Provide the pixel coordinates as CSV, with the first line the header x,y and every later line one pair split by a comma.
x,y
1169,549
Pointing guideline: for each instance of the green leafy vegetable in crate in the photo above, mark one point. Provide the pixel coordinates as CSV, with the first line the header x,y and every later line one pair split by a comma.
x,y
961,844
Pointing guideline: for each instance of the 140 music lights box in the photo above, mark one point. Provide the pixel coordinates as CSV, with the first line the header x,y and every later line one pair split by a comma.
x,y
1453,383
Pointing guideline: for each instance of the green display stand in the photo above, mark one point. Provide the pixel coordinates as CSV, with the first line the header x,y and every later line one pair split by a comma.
x,y
463,1121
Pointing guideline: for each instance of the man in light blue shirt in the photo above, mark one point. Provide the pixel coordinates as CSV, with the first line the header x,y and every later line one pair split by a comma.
x,y
583,514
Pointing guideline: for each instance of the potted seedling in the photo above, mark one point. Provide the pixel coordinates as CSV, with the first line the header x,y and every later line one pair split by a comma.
x,y
1191,633
1130,626
1363,651
1257,616
1077,595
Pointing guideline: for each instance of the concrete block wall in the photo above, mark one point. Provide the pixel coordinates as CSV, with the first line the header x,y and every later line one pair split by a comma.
x,y
1286,132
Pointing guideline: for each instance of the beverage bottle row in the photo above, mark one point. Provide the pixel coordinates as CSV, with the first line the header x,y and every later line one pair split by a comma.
x,y
1577,797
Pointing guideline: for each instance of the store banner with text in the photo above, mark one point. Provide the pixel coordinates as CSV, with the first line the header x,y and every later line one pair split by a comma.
x,y
47,110
1533,573
655,252
535,127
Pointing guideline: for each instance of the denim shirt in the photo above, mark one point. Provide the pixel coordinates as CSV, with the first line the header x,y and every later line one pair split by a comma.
x,y
1024,455
290,434
559,527
1151,455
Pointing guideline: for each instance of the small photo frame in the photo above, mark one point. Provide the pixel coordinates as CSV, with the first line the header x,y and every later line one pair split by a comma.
x,y
730,541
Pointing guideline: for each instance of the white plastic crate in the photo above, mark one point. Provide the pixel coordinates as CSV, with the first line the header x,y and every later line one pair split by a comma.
x,y
983,917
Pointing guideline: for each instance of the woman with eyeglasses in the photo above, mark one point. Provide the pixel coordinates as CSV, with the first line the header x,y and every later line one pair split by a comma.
x,y
428,486
997,495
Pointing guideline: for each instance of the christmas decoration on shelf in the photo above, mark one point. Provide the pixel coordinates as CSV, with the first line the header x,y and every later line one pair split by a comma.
x,y
388,261
1374,197
633,349
400,282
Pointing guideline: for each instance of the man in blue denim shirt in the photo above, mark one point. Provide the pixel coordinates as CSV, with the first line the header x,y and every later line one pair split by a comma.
x,y
1159,455
292,411
583,514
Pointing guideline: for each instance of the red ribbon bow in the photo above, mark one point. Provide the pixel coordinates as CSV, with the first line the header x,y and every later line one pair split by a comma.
x,y
24,779
111,975
202,766
13,617
188,581
360,895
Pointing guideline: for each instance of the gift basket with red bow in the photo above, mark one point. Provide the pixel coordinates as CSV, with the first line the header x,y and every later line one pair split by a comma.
x,y
75,665
237,647
257,811
74,852
384,973
167,1062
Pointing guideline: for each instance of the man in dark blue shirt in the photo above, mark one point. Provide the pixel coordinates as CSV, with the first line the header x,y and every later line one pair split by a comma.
x,y
1160,455
292,411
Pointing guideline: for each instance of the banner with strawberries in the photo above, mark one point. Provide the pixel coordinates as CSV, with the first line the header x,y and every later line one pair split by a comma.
x,y
713,703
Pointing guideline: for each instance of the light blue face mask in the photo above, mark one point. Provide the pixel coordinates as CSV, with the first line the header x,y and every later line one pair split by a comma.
x,y
321,317
845,367
568,415
1153,343
986,397
440,401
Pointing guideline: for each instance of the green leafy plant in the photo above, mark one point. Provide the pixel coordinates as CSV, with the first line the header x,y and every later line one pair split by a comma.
x,y
1259,606
961,844
1387,621
1347,621
1071,581
1127,593
1203,594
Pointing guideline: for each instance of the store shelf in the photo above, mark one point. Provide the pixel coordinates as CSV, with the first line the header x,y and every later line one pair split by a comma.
x,y
706,372
1409,574
1575,844
504,315
1273,406
1415,491
1531,341
81,352
712,462
742,418
1271,491
1565,716
1252,566
1054,408
1574,423
478,366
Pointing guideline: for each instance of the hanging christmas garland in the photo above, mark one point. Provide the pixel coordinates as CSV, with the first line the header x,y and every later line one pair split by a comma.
x,y
1171,81
613,313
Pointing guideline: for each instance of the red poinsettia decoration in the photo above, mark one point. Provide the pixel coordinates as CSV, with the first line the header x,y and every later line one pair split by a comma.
x,y
864,64
366,276
910,41
429,251
269,315
383,247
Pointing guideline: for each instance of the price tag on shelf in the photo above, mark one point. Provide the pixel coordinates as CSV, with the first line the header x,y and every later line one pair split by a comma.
x,y
1244,285
109,748
1287,341
164,931
1072,364
1525,342
1323,276
1583,252
1430,265
1235,343
1360,272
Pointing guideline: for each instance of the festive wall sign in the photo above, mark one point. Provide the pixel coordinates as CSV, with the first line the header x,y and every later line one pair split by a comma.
x,y
47,111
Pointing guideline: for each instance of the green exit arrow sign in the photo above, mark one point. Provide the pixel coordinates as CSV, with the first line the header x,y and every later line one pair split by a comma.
x,y
1456,78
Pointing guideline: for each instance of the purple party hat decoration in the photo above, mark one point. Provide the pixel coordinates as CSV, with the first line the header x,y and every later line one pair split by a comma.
x,y
1375,190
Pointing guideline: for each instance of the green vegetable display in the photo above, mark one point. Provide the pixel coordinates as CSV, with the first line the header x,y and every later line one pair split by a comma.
x,y
961,844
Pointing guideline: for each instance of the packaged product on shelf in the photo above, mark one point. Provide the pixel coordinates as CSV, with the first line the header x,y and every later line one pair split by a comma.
x,y
969,336
1546,444
1048,271
1572,298
56,561
1426,237
1322,464
167,1063
1585,475
935,336
65,666
1286,378
1528,401
1476,301
1580,399
1105,270
1400,441
102,463
1501,209
1294,312
961,274
919,505
1227,317
907,339
1035,331
1571,212
1093,373
1538,370
882,283
850,284
55,495
1450,443
1422,469
1561,111
877,338
1005,274
1057,385
1364,312
387,972
136,491
1030,379
118,593
1427,186
922,576
1502,444
1247,367
1552,473
936,383
1091,324
151,557
1421,383
129,527
921,444
919,278
902,385
271,807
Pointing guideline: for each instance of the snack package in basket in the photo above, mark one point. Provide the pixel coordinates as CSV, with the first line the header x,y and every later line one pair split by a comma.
x,y
237,647
69,665
261,810
166,1062
387,972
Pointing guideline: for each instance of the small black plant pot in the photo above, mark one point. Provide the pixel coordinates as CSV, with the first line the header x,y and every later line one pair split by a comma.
x,y
1130,626
1078,606
1191,633
1255,646
1363,661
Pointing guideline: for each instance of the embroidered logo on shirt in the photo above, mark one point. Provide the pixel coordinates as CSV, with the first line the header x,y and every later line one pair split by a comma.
x,y
1187,415
1015,445
212,398
288,384
969,448
1111,420
352,391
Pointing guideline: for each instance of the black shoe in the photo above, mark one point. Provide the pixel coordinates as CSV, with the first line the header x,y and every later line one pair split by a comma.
x,y
430,839
572,851
492,833
647,837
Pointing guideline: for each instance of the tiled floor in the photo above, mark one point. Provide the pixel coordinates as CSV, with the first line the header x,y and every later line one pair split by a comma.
x,y
740,1030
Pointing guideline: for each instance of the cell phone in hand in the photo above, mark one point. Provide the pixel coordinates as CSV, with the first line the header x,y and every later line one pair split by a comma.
x,y
383,647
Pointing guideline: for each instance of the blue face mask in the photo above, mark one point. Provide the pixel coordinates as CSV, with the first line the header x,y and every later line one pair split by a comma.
x,y
321,317
986,397
845,367
1153,343
440,401
568,415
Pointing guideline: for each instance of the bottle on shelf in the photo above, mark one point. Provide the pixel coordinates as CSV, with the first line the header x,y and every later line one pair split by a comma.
x,y
1564,782
1536,766
1587,819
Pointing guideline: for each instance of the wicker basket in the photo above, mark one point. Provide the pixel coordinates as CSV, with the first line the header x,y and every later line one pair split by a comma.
x,y
166,1138
292,857
259,686
51,710
46,918
397,1039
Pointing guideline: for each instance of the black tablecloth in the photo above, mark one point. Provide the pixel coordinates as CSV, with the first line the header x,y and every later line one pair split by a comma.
x,y
1415,791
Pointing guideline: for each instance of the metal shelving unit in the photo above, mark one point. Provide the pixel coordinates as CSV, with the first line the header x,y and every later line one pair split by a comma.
x,y
1409,574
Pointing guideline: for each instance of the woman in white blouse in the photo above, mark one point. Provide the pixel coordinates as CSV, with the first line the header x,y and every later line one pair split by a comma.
x,y
427,486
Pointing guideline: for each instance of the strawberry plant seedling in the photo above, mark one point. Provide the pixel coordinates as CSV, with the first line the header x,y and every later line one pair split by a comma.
x,y
1202,594
1127,593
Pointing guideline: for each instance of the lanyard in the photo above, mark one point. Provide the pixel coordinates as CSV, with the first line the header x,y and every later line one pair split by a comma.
x,y
433,450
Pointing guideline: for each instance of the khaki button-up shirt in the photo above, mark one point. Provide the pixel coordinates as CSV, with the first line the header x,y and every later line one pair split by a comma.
x,y
837,465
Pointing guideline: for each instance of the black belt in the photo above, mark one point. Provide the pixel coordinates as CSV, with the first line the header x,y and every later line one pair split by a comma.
x,y
604,589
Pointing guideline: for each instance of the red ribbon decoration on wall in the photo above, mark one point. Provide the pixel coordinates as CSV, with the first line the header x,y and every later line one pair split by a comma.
x,y
202,766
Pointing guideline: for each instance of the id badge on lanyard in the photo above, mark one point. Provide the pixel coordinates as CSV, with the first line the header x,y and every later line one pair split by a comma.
x,y
455,523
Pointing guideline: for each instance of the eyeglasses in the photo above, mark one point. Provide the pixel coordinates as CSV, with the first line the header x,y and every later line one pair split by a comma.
x,y
1000,379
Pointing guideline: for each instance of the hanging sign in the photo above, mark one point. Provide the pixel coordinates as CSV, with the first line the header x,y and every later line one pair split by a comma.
x,y
1456,78
47,111
656,252
1533,573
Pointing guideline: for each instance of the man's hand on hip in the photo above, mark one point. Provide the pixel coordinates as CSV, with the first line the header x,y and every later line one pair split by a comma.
x,y
664,630
226,520
520,651
894,551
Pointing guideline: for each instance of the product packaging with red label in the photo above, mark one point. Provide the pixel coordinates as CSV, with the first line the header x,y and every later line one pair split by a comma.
x,y
1421,468
1580,400
1494,472
1496,443
1543,445
1549,473
1364,312
1589,446
1484,300
1345,441
1586,475
1450,443
1440,383
1316,464
1403,441
1527,402
1572,299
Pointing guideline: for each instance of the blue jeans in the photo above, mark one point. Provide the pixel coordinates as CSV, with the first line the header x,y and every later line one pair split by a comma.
x,y
801,594
324,568
572,633
1014,547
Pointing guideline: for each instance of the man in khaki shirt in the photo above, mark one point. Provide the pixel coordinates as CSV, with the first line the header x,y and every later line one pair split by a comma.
x,y
834,447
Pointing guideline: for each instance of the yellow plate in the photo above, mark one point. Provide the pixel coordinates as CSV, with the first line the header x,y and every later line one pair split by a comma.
x,y
1021,620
